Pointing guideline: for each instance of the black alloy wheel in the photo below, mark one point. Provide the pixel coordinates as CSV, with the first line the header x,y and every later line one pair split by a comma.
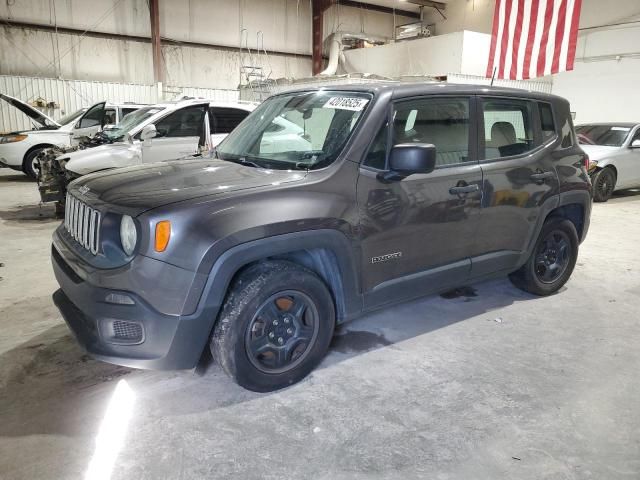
x,y
553,256
281,332
604,182
275,326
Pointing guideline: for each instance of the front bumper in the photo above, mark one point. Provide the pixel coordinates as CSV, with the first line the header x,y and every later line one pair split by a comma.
x,y
134,335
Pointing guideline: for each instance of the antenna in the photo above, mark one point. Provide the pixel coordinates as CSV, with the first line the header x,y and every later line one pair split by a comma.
x,y
493,77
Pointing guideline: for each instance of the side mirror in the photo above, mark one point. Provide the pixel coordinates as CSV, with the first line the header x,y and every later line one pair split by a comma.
x,y
635,144
148,132
409,158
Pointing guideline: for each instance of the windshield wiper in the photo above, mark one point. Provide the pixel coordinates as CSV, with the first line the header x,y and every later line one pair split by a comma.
x,y
240,160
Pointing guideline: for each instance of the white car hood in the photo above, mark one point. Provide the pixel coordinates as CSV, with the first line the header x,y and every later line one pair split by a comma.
x,y
599,152
29,111
103,157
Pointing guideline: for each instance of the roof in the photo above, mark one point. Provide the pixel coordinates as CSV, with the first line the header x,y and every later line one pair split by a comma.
x,y
410,89
609,124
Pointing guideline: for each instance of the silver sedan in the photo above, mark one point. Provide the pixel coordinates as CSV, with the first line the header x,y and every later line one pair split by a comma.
x,y
614,151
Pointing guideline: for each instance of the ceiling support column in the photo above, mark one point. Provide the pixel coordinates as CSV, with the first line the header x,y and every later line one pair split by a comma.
x,y
158,67
317,13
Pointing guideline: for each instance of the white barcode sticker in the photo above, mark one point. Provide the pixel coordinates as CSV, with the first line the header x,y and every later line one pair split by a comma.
x,y
347,103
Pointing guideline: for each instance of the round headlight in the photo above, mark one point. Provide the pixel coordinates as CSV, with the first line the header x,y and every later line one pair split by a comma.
x,y
128,234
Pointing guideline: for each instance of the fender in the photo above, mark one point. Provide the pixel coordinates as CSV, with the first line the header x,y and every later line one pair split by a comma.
x,y
342,280
583,198
579,197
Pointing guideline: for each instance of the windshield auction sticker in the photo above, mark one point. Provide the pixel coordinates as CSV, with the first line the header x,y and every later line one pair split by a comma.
x,y
347,103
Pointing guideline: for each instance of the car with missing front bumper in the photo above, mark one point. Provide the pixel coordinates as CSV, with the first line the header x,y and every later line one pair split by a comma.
x,y
164,131
22,150
260,248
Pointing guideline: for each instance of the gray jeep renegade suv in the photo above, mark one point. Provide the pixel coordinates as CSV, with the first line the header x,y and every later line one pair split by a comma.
x,y
321,205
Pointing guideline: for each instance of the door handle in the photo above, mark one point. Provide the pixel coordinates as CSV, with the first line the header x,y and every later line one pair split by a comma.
x,y
540,177
461,189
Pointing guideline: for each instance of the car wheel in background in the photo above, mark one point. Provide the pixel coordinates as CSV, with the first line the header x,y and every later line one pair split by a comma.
x,y
604,182
275,326
552,260
30,164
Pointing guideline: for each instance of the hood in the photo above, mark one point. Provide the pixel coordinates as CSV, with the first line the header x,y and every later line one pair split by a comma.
x,y
102,157
144,187
29,111
599,152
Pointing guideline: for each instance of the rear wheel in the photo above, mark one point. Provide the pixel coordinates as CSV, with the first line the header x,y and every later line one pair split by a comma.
x,y
30,165
604,182
552,260
275,326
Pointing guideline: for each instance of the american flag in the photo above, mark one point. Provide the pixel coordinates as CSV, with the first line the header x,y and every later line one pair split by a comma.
x,y
533,38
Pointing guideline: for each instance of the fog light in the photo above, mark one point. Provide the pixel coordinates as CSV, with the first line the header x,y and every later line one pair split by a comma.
x,y
119,299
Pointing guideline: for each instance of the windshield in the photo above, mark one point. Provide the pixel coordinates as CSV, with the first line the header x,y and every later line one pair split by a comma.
x,y
303,130
607,135
130,121
71,117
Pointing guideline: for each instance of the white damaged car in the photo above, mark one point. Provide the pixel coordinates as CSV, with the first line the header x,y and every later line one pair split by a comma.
x,y
614,154
165,131
20,150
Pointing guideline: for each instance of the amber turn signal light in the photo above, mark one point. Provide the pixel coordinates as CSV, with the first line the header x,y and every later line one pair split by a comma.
x,y
163,234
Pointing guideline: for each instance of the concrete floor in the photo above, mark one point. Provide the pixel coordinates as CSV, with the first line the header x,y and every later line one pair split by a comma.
x,y
496,385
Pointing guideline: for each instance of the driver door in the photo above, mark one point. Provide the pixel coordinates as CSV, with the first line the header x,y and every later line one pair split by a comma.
x,y
418,233
179,135
90,123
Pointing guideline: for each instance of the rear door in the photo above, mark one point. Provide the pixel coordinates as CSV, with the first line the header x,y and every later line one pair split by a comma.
x,y
179,135
417,234
519,177
91,122
223,120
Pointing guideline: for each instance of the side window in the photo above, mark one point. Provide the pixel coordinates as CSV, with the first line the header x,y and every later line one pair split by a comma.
x,y
547,126
507,127
94,117
443,122
567,133
109,117
636,137
377,154
186,122
226,119
126,111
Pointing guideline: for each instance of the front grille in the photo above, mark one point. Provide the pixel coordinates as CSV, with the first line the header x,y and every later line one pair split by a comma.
x,y
83,223
127,331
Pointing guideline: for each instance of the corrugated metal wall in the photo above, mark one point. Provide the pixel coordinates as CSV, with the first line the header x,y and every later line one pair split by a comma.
x,y
71,95
534,86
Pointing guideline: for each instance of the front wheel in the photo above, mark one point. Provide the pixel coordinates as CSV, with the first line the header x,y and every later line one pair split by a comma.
x,y
31,165
552,259
604,182
275,326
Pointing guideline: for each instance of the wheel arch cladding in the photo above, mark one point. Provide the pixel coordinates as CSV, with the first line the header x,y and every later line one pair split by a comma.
x,y
328,253
574,212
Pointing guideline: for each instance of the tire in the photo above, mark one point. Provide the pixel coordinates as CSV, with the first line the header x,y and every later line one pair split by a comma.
x,y
551,262
604,182
28,166
260,340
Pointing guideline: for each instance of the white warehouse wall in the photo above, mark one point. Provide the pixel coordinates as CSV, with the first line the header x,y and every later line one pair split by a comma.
x,y
602,87
285,26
